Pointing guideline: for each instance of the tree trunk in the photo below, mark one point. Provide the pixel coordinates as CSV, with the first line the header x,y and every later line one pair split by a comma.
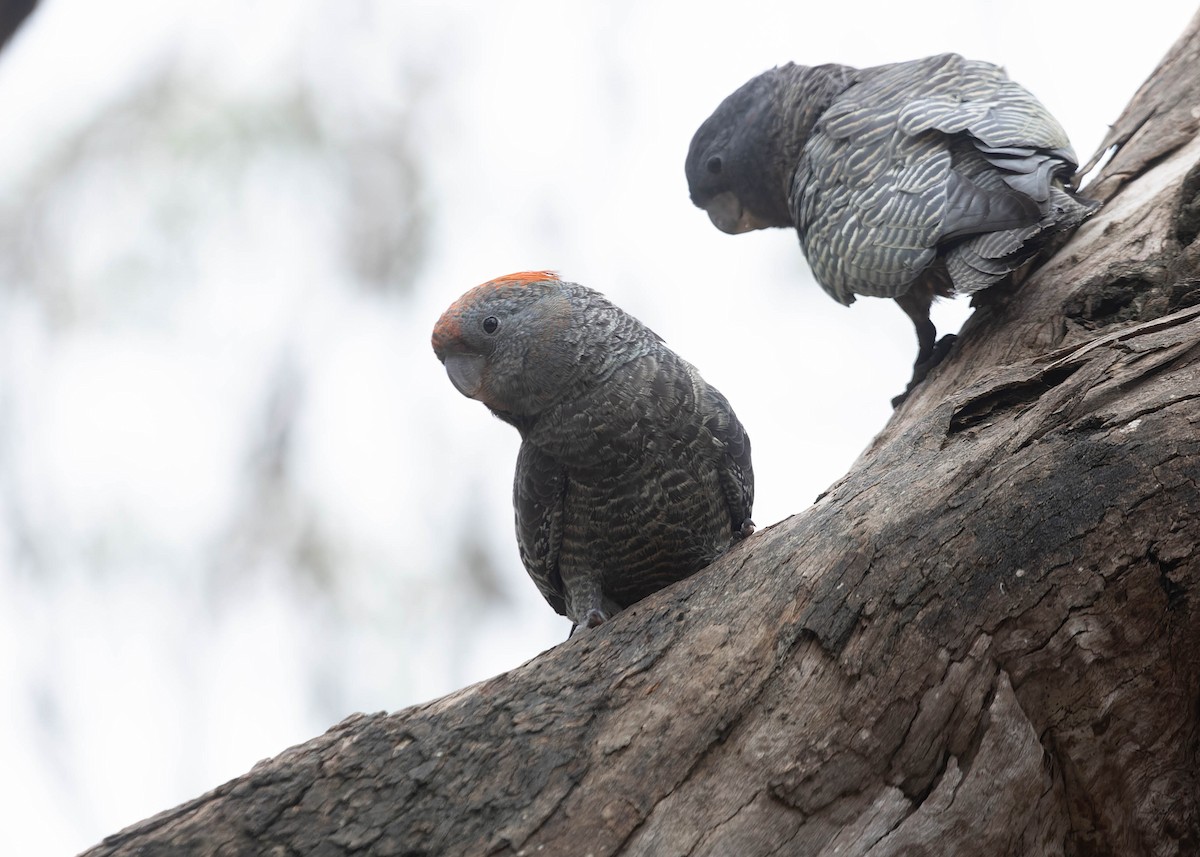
x,y
983,640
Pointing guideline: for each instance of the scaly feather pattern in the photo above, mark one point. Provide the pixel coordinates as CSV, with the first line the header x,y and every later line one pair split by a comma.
x,y
633,472
908,181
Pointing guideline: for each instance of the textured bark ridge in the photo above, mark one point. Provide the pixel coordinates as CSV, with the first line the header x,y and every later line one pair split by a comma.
x,y
983,640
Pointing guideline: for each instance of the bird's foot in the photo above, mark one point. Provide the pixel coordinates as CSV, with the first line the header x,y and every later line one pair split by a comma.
x,y
923,367
591,619
746,530
595,617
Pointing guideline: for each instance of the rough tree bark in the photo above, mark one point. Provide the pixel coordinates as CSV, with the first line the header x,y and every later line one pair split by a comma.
x,y
983,640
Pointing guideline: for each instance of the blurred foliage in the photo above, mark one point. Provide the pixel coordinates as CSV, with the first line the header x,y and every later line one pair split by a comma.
x,y
159,166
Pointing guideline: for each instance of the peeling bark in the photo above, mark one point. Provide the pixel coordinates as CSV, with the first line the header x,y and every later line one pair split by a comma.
x,y
983,640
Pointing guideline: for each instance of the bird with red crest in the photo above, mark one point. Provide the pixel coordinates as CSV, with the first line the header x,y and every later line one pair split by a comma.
x,y
633,472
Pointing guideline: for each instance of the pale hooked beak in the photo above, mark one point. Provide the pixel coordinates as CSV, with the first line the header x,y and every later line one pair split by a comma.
x,y
727,214
466,372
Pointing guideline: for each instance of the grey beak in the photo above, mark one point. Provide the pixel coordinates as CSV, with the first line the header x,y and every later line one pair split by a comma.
x,y
727,214
466,372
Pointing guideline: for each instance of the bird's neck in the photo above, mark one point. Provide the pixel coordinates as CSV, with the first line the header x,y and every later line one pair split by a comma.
x,y
810,89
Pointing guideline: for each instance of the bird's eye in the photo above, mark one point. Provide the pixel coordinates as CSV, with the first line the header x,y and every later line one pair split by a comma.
x,y
714,165
491,324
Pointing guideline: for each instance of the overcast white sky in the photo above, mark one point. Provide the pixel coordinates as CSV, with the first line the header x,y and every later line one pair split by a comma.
x,y
548,134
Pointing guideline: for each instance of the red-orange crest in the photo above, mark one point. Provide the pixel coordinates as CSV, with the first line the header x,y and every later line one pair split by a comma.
x,y
523,278
448,326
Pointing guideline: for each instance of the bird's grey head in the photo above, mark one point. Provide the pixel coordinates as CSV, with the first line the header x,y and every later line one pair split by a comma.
x,y
742,160
727,162
510,343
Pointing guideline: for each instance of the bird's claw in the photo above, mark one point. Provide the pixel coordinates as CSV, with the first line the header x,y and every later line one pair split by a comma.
x,y
591,619
594,618
922,368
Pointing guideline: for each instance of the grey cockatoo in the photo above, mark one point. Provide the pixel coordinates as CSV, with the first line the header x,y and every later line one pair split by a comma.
x,y
908,181
633,472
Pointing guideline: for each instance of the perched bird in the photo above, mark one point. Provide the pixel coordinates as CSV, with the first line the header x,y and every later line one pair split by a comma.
x,y
910,181
633,472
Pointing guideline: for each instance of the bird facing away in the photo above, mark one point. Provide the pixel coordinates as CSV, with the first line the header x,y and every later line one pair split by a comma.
x,y
910,181
633,472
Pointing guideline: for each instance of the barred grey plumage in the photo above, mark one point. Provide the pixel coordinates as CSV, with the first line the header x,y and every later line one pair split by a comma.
x,y
633,472
909,181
